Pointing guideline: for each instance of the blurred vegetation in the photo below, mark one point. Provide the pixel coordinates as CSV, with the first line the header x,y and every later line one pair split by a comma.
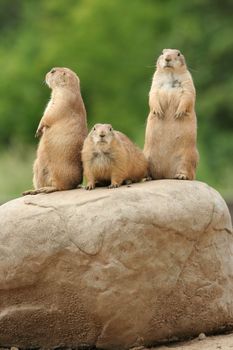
x,y
113,45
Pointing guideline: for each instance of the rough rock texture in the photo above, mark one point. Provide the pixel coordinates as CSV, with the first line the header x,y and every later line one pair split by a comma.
x,y
220,342
115,268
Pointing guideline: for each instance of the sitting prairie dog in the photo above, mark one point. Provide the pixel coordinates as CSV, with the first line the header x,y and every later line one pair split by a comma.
x,y
111,157
63,129
170,140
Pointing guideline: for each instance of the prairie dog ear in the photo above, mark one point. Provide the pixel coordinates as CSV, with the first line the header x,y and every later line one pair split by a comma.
x,y
64,78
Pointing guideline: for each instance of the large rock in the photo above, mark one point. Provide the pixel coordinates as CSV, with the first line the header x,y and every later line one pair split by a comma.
x,y
115,268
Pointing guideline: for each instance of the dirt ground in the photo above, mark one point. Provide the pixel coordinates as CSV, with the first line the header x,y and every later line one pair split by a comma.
x,y
220,342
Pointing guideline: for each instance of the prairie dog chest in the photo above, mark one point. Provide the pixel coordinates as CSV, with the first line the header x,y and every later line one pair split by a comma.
x,y
169,82
101,161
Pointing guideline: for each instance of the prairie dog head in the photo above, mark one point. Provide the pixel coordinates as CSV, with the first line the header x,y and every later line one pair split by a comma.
x,y
102,134
171,60
61,77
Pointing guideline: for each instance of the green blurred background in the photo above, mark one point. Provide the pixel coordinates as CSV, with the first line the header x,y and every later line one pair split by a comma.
x,y
112,45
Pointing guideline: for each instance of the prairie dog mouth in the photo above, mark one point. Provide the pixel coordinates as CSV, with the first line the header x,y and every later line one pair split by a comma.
x,y
168,65
102,140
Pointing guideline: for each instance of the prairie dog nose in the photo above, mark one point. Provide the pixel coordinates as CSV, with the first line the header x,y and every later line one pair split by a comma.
x,y
102,133
168,59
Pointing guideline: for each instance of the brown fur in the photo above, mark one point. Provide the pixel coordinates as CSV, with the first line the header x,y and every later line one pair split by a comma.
x,y
170,141
63,129
109,156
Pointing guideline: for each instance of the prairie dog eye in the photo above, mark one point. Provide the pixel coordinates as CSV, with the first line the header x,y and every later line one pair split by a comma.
x,y
53,70
178,54
94,129
110,129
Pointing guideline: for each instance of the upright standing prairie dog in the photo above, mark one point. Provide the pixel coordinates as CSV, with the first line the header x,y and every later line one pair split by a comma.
x,y
110,157
170,141
63,129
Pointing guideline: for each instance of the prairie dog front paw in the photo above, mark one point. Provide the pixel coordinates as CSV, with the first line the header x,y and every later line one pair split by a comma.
x,y
40,131
157,112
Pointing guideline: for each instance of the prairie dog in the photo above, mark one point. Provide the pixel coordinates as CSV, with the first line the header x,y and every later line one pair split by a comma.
x,y
111,157
63,129
170,140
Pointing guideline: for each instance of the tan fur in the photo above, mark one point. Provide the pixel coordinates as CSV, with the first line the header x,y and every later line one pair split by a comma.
x,y
170,141
63,129
110,157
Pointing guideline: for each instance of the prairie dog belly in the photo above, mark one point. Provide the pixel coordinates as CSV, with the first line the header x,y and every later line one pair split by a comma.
x,y
171,140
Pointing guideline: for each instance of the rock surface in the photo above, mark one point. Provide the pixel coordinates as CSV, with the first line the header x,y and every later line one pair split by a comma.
x,y
115,268
220,342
